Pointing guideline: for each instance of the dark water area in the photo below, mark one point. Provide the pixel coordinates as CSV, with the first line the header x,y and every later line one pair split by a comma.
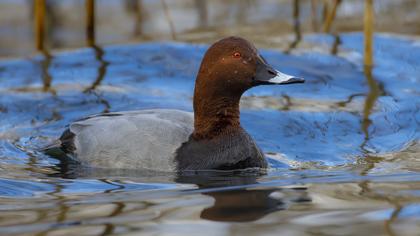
x,y
343,148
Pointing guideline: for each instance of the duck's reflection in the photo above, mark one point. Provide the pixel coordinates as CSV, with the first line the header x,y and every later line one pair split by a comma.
x,y
241,205
237,198
238,195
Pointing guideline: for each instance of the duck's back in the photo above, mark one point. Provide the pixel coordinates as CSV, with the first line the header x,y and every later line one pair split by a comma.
x,y
146,139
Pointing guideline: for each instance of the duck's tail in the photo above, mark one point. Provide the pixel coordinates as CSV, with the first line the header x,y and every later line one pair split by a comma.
x,y
55,144
53,149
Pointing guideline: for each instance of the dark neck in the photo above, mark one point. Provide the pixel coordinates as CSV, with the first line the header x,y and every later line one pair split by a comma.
x,y
215,115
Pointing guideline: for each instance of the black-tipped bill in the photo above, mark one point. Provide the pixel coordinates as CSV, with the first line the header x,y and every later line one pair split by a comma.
x,y
282,78
266,74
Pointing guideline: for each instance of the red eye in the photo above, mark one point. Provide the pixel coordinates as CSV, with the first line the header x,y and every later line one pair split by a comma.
x,y
236,55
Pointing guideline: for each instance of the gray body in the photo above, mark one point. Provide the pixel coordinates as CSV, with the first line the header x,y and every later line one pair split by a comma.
x,y
158,140
146,139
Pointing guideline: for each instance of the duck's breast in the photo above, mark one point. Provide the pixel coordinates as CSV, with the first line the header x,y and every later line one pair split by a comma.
x,y
146,139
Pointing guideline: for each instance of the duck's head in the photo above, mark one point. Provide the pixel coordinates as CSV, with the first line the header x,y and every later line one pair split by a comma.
x,y
233,65
229,68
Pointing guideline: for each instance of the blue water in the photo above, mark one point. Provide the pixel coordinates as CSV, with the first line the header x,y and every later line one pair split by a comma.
x,y
343,147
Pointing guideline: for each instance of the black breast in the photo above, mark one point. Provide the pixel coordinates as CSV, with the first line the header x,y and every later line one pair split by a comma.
x,y
230,151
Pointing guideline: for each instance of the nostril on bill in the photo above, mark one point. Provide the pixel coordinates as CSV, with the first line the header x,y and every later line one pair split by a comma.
x,y
271,72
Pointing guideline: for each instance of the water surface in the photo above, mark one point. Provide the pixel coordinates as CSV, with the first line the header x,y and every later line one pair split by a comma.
x,y
343,147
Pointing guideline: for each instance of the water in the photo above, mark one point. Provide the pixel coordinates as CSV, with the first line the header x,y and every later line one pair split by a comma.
x,y
343,147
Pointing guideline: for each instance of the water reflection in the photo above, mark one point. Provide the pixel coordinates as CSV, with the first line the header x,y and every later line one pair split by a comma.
x,y
241,205
45,74
325,126
393,217
103,64
101,73
374,92
336,44
237,197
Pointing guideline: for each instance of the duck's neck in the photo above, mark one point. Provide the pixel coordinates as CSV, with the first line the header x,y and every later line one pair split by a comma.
x,y
215,115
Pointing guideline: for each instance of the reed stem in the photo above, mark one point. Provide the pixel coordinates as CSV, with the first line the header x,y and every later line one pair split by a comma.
x,y
39,24
169,18
314,10
90,22
331,16
368,32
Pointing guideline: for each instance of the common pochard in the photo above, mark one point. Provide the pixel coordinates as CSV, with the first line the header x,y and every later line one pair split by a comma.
x,y
174,140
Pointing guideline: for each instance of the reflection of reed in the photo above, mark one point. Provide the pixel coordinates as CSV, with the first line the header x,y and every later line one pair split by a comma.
x,y
366,190
103,64
117,187
99,52
63,207
374,93
394,217
119,206
45,75
296,27
336,44
288,103
349,99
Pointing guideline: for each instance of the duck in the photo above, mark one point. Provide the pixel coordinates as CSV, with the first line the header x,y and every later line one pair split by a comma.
x,y
210,138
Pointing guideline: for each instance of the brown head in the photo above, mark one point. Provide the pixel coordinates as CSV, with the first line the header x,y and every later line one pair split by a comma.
x,y
229,68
